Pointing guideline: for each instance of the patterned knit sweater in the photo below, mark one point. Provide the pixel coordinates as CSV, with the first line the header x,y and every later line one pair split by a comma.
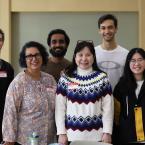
x,y
84,106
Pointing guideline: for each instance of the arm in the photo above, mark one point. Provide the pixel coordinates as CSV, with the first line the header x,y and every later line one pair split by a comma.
x,y
108,112
60,111
117,106
9,126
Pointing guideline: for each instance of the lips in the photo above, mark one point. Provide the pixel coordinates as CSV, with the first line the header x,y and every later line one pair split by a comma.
x,y
137,68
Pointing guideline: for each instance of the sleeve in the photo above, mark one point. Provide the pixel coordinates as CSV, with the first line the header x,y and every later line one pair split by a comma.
x,y
117,106
60,106
107,107
52,92
12,106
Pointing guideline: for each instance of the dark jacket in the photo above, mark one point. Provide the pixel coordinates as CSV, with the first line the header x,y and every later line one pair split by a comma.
x,y
128,101
6,76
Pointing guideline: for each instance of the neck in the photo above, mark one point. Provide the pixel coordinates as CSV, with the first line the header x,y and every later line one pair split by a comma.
x,y
109,45
84,72
138,77
56,59
35,75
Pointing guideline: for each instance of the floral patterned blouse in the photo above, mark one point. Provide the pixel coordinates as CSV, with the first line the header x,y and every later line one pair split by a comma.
x,y
29,107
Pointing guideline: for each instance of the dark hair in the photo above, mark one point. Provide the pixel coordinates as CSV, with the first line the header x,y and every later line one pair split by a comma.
x,y
3,35
39,46
128,77
108,17
58,31
80,46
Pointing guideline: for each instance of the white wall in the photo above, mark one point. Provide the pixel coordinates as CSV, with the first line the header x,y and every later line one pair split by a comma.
x,y
79,26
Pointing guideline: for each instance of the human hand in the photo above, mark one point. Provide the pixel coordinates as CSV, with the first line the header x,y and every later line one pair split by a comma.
x,y
106,138
62,139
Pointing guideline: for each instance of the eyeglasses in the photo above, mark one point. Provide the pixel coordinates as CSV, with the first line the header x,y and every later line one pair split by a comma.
x,y
30,56
133,61
84,41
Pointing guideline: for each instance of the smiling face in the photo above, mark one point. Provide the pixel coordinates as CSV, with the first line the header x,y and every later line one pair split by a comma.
x,y
137,65
58,46
107,30
33,59
84,59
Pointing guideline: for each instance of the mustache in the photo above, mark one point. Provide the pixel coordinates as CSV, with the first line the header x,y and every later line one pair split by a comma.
x,y
58,47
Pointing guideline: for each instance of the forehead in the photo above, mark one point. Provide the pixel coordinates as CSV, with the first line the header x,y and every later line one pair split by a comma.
x,y
85,50
57,37
137,55
108,22
31,50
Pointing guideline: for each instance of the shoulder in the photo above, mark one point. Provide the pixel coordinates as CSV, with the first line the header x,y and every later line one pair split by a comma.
x,y
66,61
98,48
6,64
101,74
64,79
122,49
46,75
48,79
18,81
19,77
102,77
120,87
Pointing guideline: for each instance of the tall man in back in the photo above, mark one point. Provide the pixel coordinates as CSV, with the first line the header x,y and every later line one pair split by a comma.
x,y
110,56
58,42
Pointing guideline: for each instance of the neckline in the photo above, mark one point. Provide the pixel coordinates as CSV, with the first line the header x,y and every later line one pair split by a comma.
x,y
82,72
31,79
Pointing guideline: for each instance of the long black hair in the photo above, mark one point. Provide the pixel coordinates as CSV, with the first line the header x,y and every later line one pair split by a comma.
x,y
80,46
128,78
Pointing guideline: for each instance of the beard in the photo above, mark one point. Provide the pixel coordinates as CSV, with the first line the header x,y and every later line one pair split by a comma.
x,y
58,51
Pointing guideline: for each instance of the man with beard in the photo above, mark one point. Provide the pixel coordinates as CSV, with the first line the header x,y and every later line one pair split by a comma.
x,y
6,76
110,57
58,42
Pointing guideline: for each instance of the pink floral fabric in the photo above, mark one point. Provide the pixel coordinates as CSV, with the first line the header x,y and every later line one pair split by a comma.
x,y
29,108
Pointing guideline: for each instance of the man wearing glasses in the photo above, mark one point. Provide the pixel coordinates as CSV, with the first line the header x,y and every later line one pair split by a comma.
x,y
58,42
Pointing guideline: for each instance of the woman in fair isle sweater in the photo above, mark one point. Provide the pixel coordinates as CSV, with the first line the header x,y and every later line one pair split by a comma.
x,y
84,102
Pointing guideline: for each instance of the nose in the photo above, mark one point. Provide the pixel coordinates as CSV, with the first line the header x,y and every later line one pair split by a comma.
x,y
136,62
84,58
57,44
106,30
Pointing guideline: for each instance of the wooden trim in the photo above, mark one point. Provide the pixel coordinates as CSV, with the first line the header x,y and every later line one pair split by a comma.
x,y
142,23
5,25
73,5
